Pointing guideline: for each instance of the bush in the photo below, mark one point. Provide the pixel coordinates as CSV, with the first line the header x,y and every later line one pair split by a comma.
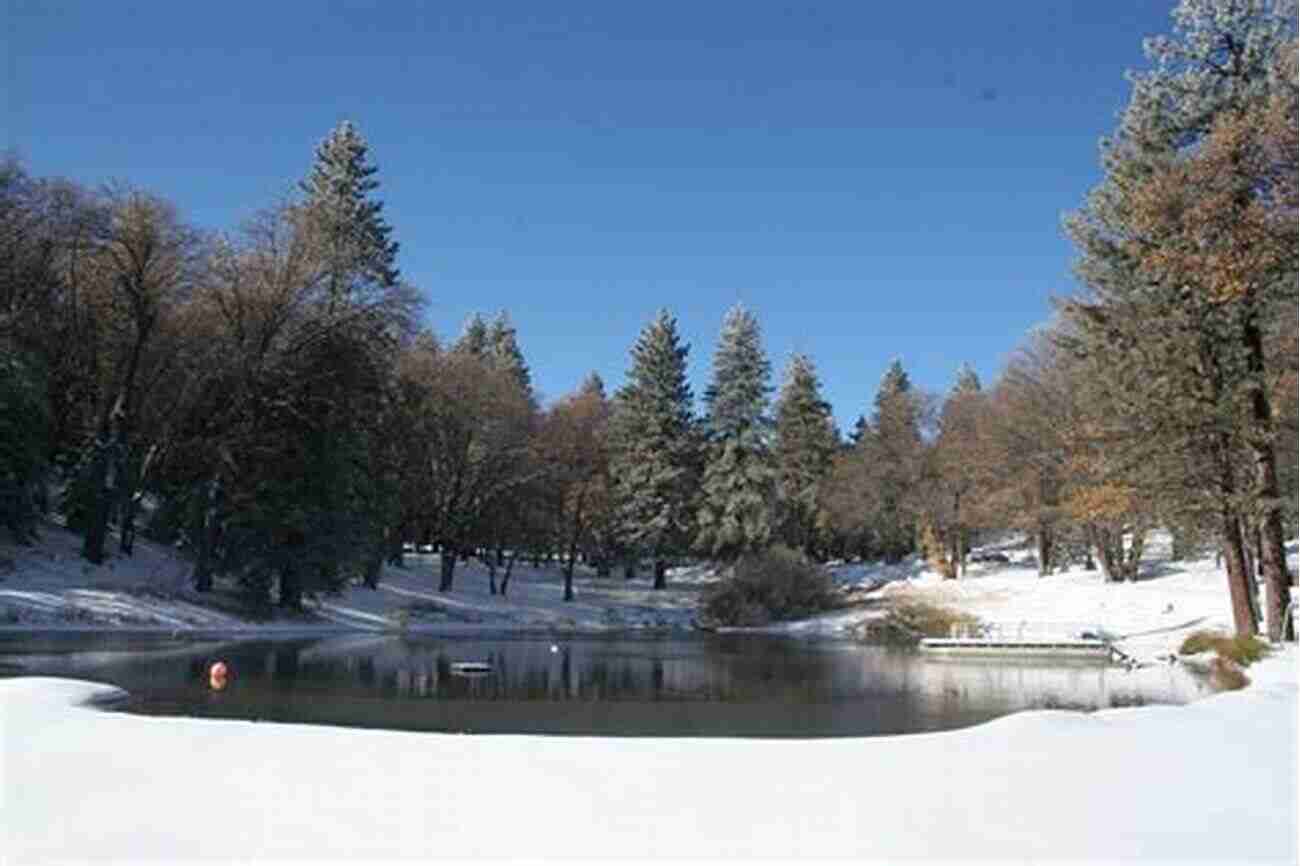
x,y
1243,650
928,619
779,584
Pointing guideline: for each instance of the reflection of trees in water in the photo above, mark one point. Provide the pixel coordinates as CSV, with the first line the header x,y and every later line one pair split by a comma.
x,y
719,685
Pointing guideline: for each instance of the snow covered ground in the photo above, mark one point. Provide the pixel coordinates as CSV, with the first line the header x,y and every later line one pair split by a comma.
x,y
1145,619
1213,780
50,586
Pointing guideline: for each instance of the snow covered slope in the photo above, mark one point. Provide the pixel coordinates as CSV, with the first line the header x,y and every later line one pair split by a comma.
x,y
1214,780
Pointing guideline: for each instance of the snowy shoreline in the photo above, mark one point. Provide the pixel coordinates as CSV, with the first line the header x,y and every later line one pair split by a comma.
x,y
1212,779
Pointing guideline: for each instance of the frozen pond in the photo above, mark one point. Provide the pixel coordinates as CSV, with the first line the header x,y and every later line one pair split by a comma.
x,y
671,687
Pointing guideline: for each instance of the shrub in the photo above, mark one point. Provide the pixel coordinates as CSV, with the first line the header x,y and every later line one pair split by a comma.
x,y
778,584
928,619
1226,676
1243,650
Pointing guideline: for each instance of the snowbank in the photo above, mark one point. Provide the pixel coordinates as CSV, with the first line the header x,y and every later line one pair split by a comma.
x,y
1211,780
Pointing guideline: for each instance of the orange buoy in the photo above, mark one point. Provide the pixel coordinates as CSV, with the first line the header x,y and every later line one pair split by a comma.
x,y
218,675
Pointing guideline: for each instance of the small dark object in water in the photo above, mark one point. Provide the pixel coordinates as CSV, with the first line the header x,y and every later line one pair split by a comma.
x,y
989,556
469,668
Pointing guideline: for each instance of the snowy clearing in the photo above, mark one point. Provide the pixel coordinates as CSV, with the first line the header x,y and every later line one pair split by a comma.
x,y
1211,780
50,586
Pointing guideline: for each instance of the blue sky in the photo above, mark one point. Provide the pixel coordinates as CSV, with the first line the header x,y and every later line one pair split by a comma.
x,y
874,180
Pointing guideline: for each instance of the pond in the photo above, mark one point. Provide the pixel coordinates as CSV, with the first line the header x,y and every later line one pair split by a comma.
x,y
697,686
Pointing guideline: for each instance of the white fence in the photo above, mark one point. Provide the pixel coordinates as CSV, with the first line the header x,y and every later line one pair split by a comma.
x,y
1027,630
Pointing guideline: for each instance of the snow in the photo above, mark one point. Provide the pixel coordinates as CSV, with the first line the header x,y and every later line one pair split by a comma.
x,y
1215,779
1211,780
1145,619
50,586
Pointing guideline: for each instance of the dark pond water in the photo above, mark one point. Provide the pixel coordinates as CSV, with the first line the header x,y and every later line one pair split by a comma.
x,y
699,686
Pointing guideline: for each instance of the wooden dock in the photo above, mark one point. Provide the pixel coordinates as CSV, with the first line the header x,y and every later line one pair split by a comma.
x,y
1070,639
1074,648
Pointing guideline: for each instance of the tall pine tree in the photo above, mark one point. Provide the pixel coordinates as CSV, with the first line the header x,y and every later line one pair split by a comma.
x,y
346,220
895,446
653,447
806,444
736,514
1180,356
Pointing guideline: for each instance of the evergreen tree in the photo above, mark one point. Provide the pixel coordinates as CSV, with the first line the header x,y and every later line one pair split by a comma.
x,y
24,438
593,385
653,447
735,515
503,342
343,216
860,429
968,381
953,471
1178,354
894,446
806,444
474,339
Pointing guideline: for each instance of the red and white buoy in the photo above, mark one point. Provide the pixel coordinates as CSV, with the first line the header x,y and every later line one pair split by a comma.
x,y
218,675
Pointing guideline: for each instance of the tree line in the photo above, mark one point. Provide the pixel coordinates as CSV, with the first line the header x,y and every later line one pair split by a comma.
x,y
268,401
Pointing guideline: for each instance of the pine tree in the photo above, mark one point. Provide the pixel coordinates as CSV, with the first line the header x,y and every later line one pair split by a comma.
x,y
474,339
503,341
653,447
968,381
345,218
956,467
1162,335
735,515
806,444
895,447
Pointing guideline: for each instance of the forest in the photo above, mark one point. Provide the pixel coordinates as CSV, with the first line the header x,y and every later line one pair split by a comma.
x,y
269,401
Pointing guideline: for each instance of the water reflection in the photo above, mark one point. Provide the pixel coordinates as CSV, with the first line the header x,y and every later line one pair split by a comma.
x,y
705,686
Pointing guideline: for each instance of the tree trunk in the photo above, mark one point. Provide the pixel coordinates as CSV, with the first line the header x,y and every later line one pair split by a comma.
x,y
1239,584
1097,540
629,568
1248,554
98,507
374,567
207,532
396,553
1133,559
661,574
490,560
126,538
447,562
568,575
505,578
1043,539
290,587
1267,500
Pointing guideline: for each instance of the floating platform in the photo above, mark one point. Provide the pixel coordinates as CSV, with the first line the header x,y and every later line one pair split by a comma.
x,y
1072,647
470,668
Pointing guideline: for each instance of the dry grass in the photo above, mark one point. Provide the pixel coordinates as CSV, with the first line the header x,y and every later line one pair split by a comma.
x,y
1226,676
1241,650
927,619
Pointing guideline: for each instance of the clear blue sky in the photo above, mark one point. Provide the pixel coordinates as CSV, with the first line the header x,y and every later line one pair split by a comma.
x,y
873,179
